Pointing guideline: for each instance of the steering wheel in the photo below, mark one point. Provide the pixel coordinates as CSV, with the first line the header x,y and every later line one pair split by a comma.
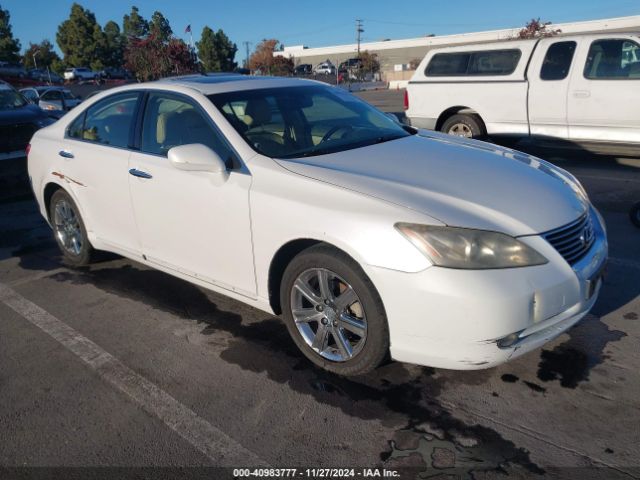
x,y
333,130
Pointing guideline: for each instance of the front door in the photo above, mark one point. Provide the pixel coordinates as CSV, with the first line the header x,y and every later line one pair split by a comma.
x,y
187,221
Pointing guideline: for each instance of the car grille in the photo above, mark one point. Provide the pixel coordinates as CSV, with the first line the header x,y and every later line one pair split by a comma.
x,y
15,137
574,240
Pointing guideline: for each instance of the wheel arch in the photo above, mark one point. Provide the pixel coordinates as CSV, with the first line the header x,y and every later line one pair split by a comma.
x,y
284,255
451,111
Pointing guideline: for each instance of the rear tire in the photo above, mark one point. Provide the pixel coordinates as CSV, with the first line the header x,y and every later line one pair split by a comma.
x,y
464,125
344,334
69,230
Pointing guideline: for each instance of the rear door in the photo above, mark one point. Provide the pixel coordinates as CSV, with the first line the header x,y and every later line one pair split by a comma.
x,y
549,77
95,167
604,96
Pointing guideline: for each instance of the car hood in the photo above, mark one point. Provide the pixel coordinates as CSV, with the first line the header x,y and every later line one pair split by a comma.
x,y
462,183
26,114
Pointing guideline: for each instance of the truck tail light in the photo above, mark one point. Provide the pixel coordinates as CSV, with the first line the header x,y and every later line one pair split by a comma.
x,y
406,100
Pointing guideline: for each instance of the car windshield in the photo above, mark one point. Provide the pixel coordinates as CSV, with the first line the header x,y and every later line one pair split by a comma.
x,y
304,121
11,99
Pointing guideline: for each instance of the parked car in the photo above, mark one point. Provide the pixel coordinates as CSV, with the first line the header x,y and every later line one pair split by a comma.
x,y
8,69
325,68
18,121
351,64
581,88
44,75
303,69
80,73
368,236
51,98
115,73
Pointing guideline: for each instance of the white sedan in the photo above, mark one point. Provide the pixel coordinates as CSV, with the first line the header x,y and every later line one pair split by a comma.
x,y
371,239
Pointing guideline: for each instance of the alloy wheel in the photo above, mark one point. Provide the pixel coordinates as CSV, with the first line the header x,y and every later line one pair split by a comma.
x,y
328,314
67,227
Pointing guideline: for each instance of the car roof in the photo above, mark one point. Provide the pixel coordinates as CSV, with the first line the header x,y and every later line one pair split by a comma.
x,y
209,84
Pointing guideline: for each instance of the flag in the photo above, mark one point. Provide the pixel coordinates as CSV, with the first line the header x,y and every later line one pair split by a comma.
x,y
188,29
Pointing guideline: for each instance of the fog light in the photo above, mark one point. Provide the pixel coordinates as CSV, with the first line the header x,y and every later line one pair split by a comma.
x,y
509,340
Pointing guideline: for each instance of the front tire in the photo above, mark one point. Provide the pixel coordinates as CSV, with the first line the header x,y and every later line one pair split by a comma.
x,y
464,125
69,230
333,312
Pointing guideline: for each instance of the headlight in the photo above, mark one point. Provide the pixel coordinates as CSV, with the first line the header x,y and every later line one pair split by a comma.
x,y
464,248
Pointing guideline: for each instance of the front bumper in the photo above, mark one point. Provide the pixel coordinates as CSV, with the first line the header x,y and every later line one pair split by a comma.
x,y
470,319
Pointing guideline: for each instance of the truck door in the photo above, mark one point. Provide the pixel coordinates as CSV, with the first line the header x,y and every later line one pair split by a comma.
x,y
604,98
548,77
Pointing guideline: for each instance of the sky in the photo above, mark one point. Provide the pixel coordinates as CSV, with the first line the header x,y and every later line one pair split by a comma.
x,y
319,22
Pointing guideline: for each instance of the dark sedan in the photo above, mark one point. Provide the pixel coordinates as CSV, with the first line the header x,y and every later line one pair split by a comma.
x,y
18,122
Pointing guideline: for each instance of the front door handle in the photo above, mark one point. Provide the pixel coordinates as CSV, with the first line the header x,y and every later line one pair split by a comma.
x,y
65,154
140,174
581,93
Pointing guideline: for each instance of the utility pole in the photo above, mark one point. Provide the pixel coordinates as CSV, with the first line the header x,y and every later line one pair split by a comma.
x,y
246,46
359,30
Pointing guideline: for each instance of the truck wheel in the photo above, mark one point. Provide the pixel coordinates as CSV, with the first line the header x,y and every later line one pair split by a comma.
x,y
634,214
464,125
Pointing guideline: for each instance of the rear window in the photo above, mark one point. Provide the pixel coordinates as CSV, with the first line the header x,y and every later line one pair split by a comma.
x,y
462,64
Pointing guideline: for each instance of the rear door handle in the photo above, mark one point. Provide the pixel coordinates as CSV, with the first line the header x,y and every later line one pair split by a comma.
x,y
140,174
581,93
65,154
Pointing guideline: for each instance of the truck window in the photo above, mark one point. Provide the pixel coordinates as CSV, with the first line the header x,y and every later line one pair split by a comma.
x,y
486,62
613,59
557,61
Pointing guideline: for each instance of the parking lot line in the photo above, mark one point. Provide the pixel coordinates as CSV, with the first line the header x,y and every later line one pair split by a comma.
x,y
212,442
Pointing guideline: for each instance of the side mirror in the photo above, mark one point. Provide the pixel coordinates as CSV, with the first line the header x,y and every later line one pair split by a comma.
x,y
196,157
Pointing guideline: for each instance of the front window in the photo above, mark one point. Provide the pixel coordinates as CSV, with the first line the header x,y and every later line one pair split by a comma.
x,y
613,60
304,121
11,99
172,120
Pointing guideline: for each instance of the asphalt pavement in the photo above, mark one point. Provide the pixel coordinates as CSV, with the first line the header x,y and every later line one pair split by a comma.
x,y
118,365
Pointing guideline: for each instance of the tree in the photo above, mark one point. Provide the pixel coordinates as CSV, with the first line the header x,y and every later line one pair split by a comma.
x,y
263,59
151,58
114,43
81,39
536,29
9,46
133,25
44,54
160,27
370,62
216,51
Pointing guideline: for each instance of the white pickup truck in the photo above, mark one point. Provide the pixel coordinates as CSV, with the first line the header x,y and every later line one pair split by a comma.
x,y
580,88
